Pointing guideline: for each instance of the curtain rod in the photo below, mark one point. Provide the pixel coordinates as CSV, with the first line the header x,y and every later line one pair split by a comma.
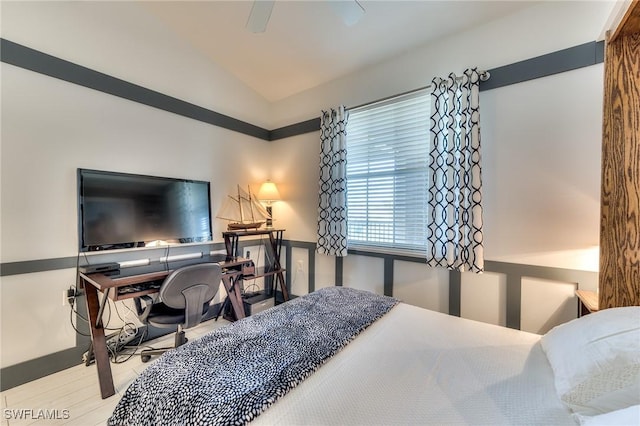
x,y
484,76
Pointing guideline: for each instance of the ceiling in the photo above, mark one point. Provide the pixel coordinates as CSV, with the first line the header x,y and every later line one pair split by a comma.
x,y
306,44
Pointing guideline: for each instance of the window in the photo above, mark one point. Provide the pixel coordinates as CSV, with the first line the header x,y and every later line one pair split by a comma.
x,y
387,173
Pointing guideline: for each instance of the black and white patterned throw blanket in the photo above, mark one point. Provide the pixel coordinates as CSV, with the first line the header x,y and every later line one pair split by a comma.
x,y
232,374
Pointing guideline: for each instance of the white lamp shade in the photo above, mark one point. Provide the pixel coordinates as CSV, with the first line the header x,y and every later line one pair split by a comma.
x,y
268,192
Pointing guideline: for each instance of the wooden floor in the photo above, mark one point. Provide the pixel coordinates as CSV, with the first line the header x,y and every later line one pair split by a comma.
x,y
72,396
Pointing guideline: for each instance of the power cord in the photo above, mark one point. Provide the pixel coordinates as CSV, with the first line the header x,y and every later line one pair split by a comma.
x,y
71,312
121,350
125,333
250,287
269,260
254,284
128,330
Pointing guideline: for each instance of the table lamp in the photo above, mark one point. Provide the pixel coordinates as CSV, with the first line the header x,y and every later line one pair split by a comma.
x,y
269,193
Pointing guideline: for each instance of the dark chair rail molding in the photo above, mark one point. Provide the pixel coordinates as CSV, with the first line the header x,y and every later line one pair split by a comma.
x,y
18,374
21,56
34,60
514,274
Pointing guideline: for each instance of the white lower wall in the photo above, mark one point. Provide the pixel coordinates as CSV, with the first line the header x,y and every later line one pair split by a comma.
x,y
325,271
483,297
546,304
299,271
33,320
420,285
364,273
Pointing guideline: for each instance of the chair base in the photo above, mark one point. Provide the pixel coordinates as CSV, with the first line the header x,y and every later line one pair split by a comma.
x,y
145,355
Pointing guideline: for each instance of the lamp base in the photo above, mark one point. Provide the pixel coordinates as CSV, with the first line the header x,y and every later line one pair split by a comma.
x,y
269,223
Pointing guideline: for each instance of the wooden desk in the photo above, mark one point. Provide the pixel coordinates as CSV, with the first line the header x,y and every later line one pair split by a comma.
x,y
130,283
587,302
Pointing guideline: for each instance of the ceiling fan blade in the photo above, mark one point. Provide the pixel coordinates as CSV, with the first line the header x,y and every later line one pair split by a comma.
x,y
259,16
350,11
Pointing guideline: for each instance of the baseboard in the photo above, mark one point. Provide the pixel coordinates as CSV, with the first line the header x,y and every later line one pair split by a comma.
x,y
37,368
19,374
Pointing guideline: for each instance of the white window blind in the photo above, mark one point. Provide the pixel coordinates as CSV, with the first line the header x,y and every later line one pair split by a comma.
x,y
387,173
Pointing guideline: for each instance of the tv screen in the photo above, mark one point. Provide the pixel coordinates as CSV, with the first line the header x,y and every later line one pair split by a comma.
x,y
119,210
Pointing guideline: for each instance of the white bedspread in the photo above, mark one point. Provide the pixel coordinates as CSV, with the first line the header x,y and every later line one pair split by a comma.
x,y
415,366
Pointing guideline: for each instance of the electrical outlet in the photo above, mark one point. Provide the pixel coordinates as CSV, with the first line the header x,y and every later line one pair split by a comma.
x,y
68,295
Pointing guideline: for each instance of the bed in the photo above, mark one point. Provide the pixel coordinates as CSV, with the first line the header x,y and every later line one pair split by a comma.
x,y
345,356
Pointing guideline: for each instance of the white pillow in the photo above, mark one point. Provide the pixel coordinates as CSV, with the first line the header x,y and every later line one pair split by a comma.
x,y
596,360
629,416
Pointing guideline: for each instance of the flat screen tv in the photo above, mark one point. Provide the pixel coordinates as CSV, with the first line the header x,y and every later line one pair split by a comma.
x,y
120,210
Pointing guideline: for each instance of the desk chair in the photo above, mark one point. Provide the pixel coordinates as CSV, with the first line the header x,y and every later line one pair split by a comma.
x,y
183,301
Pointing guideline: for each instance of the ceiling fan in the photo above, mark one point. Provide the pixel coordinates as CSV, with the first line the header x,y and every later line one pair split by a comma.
x,y
350,11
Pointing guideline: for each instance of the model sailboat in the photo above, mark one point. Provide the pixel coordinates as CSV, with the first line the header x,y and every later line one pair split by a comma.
x,y
243,211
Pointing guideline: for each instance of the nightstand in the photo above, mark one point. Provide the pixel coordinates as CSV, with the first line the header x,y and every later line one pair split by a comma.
x,y
587,302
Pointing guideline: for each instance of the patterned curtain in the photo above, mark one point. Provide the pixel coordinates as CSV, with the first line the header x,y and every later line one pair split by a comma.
x,y
454,235
332,205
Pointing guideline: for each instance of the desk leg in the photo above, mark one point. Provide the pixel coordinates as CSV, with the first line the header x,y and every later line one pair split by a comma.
x,y
276,248
283,286
233,291
582,309
98,340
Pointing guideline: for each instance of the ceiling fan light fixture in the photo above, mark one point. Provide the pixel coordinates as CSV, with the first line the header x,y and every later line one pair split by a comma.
x,y
350,11
259,15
